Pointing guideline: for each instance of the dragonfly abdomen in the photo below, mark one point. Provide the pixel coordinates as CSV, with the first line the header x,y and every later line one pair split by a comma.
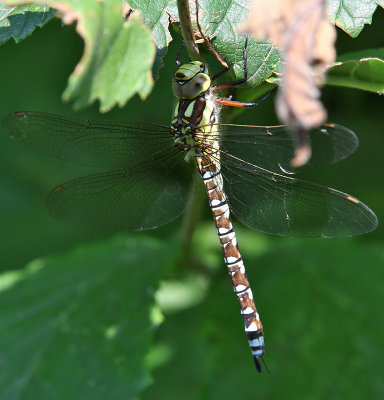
x,y
218,203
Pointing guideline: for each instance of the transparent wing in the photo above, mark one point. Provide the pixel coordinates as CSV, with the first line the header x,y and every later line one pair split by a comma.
x,y
277,204
272,148
149,189
145,196
109,144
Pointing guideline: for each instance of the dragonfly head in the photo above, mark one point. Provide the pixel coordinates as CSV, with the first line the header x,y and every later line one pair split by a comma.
x,y
191,80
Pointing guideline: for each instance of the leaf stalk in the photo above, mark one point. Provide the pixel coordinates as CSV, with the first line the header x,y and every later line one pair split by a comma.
x,y
187,30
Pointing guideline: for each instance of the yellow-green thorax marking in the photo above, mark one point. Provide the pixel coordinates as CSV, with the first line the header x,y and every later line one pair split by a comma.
x,y
195,113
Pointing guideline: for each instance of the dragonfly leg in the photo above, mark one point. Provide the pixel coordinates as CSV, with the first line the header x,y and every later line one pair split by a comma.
x,y
238,81
232,103
208,43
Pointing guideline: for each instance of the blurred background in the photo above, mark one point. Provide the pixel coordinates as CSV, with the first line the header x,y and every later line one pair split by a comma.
x,y
320,300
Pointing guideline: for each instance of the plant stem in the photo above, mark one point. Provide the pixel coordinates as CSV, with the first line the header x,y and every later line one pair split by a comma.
x,y
192,216
187,30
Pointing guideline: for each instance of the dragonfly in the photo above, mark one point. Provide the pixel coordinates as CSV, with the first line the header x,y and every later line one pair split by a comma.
x,y
150,171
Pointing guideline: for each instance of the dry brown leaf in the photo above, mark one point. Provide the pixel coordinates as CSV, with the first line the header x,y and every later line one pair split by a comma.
x,y
300,28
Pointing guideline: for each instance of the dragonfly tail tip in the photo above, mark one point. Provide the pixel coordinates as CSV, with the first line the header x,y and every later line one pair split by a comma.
x,y
258,365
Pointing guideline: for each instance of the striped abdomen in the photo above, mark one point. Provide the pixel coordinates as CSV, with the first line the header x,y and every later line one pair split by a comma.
x,y
217,200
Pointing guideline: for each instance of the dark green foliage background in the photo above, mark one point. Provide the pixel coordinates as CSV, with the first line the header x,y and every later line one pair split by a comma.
x,y
321,300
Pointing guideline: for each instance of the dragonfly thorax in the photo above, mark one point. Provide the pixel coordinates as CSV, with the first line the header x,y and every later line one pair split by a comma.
x,y
195,114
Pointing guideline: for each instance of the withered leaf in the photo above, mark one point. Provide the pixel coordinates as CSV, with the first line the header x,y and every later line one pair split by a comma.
x,y
301,30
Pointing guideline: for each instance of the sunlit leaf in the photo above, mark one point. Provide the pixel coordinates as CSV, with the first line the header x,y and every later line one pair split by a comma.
x,y
20,22
118,53
155,16
351,15
220,21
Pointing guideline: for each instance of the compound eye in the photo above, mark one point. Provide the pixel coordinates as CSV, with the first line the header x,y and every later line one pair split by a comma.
x,y
196,86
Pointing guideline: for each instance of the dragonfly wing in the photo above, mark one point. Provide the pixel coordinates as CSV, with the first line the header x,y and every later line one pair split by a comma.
x,y
331,143
272,148
145,196
277,204
109,144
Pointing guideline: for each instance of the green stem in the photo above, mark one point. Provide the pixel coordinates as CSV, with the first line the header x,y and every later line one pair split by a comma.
x,y
187,30
191,218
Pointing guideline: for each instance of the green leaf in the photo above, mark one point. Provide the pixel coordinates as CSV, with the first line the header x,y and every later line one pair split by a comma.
x,y
126,69
79,325
155,17
361,70
351,15
319,309
117,58
20,22
219,20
